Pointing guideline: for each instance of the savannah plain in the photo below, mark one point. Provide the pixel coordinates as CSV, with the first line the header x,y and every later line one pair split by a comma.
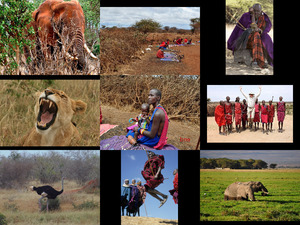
x,y
282,203
20,206
124,52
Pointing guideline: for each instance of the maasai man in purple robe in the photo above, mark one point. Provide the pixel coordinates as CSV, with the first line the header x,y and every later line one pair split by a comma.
x,y
152,175
258,36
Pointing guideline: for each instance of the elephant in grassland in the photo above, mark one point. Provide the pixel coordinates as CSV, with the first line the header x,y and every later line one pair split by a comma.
x,y
244,190
55,19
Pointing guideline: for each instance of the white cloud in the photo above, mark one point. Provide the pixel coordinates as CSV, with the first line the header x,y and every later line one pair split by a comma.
x,y
132,157
167,16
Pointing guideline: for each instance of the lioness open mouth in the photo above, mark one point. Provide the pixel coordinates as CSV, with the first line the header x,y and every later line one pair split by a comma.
x,y
47,113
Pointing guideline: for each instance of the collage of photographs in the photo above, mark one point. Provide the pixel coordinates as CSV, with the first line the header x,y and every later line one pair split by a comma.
x,y
138,82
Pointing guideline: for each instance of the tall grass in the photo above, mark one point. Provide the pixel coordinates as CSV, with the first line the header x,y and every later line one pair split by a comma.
x,y
282,203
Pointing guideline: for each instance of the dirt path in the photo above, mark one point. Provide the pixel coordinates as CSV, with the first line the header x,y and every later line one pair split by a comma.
x,y
183,135
126,220
149,64
249,136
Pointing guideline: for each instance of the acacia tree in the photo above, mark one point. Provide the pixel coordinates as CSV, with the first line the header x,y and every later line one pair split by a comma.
x,y
14,16
195,24
147,25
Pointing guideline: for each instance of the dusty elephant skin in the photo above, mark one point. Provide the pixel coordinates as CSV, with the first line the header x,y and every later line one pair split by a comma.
x,y
244,190
55,19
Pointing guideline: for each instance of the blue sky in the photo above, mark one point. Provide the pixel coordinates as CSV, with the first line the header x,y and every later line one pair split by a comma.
x,y
280,157
178,17
132,163
219,92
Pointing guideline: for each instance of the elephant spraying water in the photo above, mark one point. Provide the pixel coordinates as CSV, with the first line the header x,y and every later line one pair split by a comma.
x,y
244,190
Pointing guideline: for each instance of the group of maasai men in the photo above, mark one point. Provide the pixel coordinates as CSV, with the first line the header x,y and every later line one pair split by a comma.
x,y
133,196
249,112
251,32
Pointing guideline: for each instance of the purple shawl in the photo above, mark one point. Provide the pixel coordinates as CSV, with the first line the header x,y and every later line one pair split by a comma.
x,y
246,22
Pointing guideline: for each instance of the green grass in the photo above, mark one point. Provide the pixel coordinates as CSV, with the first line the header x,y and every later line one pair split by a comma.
x,y
282,203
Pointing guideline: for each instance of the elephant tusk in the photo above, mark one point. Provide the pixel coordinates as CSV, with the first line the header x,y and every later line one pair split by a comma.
x,y
89,51
68,54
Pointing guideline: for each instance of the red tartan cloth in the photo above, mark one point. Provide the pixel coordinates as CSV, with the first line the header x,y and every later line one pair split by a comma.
x,y
155,162
228,113
174,192
220,116
238,113
271,112
264,114
255,43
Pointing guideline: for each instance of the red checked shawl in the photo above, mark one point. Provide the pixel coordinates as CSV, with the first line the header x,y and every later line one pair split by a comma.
x,y
156,162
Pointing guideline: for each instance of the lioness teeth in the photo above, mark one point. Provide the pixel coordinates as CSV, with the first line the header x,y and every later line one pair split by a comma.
x,y
43,125
50,104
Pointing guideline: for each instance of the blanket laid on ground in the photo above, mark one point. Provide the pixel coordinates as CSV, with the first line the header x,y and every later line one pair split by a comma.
x,y
106,127
121,143
170,56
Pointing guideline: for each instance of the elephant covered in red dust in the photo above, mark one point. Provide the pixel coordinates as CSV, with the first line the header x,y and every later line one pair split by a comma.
x,y
59,23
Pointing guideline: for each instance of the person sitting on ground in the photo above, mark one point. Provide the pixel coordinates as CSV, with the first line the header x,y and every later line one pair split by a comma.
x,y
163,45
220,117
152,175
189,42
156,134
160,53
185,41
252,33
143,120
179,41
174,191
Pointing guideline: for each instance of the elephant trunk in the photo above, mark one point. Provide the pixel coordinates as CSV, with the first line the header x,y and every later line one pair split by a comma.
x,y
78,44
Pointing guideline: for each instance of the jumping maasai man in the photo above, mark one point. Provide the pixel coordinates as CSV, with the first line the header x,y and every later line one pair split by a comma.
x,y
152,175
220,117
156,135
228,114
251,99
256,38
271,115
238,114
256,116
280,113
244,114
264,116
174,192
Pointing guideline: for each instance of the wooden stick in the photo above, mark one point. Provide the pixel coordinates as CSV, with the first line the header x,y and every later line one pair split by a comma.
x,y
198,143
236,21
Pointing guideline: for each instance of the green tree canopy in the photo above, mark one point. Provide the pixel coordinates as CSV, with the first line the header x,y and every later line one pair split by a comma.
x,y
147,25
